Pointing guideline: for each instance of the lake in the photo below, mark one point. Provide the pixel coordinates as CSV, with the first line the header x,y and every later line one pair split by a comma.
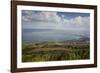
x,y
41,35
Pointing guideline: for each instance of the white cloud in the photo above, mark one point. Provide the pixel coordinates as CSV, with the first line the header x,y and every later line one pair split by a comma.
x,y
41,16
51,20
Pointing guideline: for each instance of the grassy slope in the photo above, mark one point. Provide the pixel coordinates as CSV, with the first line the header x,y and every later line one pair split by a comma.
x,y
52,51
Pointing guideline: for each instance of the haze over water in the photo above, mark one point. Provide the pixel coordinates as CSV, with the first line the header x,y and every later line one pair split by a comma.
x,y
39,26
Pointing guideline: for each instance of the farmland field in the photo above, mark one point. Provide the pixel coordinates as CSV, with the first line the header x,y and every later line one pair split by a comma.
x,y
55,51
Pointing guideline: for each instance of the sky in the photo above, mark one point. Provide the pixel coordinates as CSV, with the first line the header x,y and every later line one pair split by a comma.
x,y
55,20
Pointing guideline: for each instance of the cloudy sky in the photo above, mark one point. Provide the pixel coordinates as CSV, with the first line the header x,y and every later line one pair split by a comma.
x,y
55,20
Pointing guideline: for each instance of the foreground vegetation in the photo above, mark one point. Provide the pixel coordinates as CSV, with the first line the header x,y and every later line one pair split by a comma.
x,y
55,51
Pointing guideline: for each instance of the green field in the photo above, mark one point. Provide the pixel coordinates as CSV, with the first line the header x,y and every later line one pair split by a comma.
x,y
55,51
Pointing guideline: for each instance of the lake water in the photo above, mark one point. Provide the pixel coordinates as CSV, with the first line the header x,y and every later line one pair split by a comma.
x,y
40,35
